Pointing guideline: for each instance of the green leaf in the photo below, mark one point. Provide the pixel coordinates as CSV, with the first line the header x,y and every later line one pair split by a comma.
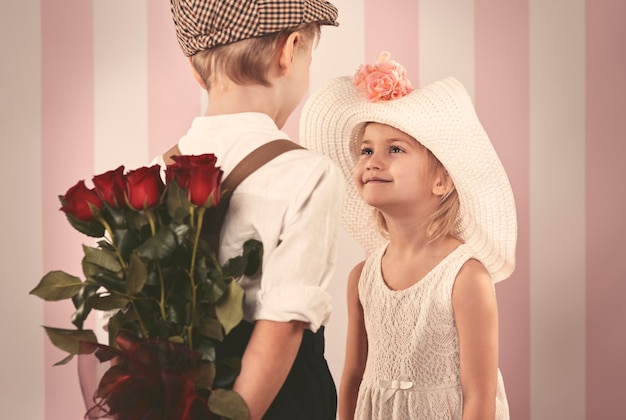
x,y
177,203
121,320
101,258
228,404
135,220
57,285
115,217
206,348
210,328
229,309
215,290
253,251
126,241
234,267
93,228
109,302
69,340
64,360
205,374
82,304
159,246
108,280
176,339
137,275
227,369
180,231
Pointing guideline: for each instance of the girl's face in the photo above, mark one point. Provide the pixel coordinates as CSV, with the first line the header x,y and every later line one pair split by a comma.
x,y
393,171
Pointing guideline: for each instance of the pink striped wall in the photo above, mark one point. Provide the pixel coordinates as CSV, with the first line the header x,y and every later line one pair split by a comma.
x,y
67,151
174,94
605,206
502,102
548,82
391,26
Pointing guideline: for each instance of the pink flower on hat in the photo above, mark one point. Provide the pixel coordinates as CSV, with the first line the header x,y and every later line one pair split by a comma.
x,y
384,80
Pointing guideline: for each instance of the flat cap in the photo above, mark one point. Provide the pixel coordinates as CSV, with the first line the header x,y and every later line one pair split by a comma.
x,y
204,24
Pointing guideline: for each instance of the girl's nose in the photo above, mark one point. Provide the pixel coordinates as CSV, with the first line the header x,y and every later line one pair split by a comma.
x,y
374,162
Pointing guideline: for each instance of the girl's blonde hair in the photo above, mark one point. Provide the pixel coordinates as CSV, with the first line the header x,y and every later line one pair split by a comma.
x,y
247,62
443,221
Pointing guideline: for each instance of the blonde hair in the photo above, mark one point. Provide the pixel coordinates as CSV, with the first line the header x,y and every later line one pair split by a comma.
x,y
247,62
443,221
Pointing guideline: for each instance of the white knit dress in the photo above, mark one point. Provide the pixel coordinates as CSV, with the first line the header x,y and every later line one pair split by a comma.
x,y
412,369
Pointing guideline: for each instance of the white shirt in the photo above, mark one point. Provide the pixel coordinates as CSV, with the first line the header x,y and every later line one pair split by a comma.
x,y
291,204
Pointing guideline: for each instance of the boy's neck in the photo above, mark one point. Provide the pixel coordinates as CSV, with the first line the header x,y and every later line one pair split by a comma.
x,y
234,99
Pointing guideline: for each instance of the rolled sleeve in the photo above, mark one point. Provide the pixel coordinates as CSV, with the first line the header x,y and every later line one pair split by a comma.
x,y
297,273
309,304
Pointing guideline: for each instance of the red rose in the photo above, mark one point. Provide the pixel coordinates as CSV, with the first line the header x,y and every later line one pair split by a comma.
x,y
144,187
110,187
204,186
179,170
81,202
199,176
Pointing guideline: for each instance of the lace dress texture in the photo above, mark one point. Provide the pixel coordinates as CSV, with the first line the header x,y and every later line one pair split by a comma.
x,y
412,369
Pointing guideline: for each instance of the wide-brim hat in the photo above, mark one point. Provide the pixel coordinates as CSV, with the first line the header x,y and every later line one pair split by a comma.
x,y
205,24
441,116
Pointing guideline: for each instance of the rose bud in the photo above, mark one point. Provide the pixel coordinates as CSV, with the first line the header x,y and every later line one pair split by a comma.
x,y
81,202
204,185
144,187
179,170
110,187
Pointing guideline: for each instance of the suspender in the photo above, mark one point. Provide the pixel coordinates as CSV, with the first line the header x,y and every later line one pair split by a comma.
x,y
214,217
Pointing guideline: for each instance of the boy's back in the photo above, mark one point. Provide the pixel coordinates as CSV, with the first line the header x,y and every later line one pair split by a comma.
x,y
253,58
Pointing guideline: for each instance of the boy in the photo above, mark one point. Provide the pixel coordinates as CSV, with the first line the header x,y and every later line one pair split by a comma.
x,y
253,58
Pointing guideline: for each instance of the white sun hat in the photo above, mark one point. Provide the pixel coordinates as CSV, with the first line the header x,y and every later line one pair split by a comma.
x,y
442,118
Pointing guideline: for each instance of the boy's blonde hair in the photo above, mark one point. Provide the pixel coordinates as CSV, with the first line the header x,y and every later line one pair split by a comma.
x,y
443,221
247,62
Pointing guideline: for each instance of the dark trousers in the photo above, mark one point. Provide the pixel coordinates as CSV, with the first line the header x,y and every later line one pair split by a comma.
x,y
309,391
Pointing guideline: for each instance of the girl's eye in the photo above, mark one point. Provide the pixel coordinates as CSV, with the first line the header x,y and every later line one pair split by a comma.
x,y
396,149
366,151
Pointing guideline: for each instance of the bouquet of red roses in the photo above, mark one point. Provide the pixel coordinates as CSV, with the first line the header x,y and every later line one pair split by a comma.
x,y
155,272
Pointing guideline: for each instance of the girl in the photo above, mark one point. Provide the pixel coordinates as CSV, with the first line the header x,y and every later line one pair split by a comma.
x,y
422,339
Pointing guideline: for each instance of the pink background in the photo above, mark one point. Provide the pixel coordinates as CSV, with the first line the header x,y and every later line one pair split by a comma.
x,y
85,88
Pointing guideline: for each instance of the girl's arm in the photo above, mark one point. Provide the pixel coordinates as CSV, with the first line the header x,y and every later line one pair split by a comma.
x,y
476,317
356,349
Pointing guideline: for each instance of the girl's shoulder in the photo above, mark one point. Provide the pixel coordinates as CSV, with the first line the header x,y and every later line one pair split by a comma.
x,y
473,282
355,274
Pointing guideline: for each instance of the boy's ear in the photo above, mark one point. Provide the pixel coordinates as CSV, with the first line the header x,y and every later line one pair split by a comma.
x,y
287,52
196,75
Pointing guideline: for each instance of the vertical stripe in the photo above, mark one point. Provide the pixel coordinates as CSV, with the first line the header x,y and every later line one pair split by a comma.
x,y
391,26
120,84
21,371
605,207
174,95
446,42
502,103
338,53
557,209
67,156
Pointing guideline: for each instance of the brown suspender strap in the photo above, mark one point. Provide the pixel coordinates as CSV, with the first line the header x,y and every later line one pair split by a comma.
x,y
254,161
214,217
167,156
257,158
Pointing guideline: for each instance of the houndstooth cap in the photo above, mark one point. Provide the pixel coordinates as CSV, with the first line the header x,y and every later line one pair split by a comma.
x,y
204,24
